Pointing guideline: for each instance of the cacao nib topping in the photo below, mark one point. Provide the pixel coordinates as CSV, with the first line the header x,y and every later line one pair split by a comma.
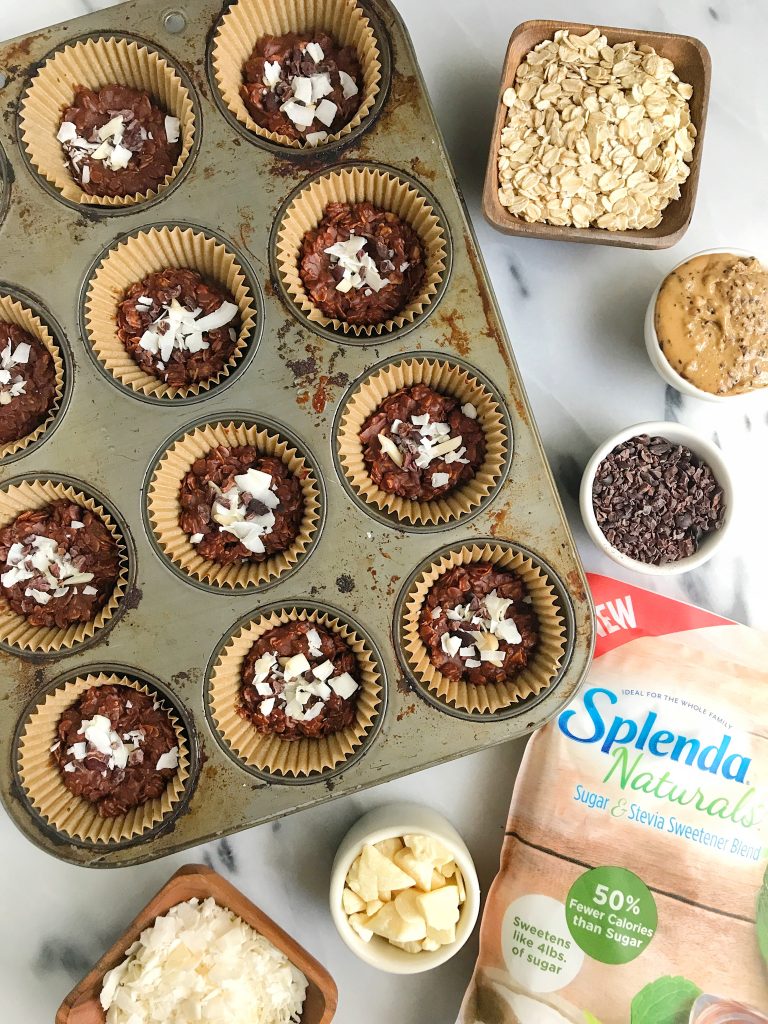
x,y
655,501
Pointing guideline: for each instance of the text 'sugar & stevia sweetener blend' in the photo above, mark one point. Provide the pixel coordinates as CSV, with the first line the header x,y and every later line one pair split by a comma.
x,y
631,881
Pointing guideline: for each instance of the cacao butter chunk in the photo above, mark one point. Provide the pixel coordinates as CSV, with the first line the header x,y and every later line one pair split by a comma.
x,y
430,945
351,902
389,925
442,936
441,907
419,870
426,848
460,886
438,881
448,869
379,872
353,878
406,904
359,922
372,907
409,947
389,847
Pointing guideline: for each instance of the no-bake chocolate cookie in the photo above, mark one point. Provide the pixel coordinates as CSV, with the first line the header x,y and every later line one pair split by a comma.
x,y
115,748
58,564
240,506
360,264
178,327
420,444
27,382
117,142
301,86
299,680
478,625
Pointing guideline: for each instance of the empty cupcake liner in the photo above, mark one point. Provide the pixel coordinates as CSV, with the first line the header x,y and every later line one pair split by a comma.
x,y
95,63
540,672
164,508
13,311
15,630
75,816
385,191
448,378
290,758
248,21
133,259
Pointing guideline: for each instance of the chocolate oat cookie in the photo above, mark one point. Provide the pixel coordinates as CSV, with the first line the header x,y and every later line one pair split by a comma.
x,y
27,382
301,86
178,327
299,680
477,624
360,264
116,748
240,506
58,564
420,444
117,142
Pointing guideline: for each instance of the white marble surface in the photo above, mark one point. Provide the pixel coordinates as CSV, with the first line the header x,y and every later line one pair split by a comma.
x,y
574,314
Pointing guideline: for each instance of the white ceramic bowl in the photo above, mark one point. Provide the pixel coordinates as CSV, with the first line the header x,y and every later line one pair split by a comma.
x,y
386,822
657,357
699,445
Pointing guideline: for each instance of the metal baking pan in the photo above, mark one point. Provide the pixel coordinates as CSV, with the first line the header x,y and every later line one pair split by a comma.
x,y
169,629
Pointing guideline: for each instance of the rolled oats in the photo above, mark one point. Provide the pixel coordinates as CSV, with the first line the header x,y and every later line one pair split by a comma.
x,y
596,135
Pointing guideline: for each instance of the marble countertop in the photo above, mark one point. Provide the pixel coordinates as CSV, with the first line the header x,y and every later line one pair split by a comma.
x,y
575,315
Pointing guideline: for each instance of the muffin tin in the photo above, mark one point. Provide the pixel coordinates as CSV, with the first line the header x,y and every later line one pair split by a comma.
x,y
294,378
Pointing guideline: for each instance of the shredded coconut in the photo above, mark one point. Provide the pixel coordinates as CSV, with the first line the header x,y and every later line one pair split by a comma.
x,y
200,962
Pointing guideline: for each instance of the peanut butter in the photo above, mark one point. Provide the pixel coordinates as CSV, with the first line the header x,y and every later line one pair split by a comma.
x,y
712,323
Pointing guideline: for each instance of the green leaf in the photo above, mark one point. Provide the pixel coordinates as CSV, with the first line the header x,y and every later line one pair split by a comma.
x,y
667,1000
762,918
590,1018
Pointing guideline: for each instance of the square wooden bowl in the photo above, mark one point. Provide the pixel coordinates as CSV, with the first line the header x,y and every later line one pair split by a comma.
x,y
692,65
82,1005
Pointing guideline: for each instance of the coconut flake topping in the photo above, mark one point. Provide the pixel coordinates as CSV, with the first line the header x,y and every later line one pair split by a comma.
x,y
359,268
49,572
307,102
486,625
200,962
246,510
180,328
12,384
292,682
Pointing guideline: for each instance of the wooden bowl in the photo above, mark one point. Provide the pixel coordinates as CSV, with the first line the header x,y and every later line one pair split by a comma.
x,y
692,65
82,1005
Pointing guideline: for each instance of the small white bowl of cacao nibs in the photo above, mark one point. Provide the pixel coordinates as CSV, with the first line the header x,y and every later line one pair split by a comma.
x,y
657,498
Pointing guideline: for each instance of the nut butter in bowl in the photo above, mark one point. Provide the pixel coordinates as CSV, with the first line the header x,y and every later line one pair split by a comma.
x,y
706,326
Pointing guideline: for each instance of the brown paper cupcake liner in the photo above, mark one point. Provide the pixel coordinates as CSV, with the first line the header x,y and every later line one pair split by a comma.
x,y
548,654
12,311
61,809
386,192
449,379
248,21
297,758
15,630
133,259
95,63
164,508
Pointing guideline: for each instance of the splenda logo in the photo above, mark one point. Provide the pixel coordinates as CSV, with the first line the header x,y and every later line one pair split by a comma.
x,y
600,724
